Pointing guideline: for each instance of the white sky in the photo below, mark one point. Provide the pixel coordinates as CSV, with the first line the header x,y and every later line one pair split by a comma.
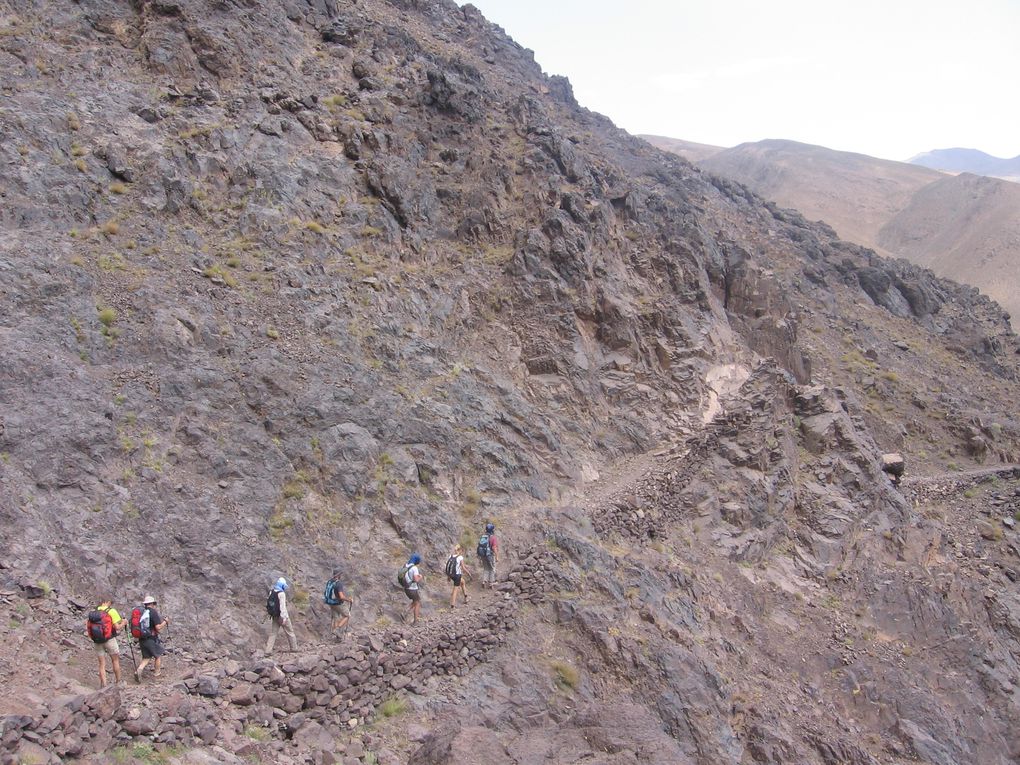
x,y
890,78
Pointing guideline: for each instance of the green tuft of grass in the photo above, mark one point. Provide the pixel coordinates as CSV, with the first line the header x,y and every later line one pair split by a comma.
x,y
107,316
334,102
216,272
393,706
565,675
256,733
294,488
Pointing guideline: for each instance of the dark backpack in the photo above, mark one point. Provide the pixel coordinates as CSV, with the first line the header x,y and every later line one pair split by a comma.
x,y
273,604
99,626
329,594
140,626
484,550
451,567
402,576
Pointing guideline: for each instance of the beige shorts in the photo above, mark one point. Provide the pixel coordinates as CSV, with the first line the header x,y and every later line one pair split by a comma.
x,y
341,609
109,647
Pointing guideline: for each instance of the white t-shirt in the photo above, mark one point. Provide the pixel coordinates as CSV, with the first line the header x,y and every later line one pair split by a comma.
x,y
409,578
459,570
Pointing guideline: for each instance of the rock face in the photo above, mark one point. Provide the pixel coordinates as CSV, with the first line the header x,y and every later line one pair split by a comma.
x,y
297,285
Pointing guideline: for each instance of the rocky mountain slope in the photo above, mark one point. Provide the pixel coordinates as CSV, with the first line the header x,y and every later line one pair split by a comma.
x,y
963,227
296,284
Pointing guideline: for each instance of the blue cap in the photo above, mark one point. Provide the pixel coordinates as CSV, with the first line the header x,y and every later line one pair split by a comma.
x,y
414,560
490,527
281,584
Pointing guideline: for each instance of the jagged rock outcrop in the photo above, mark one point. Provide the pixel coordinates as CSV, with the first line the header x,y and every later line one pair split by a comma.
x,y
291,285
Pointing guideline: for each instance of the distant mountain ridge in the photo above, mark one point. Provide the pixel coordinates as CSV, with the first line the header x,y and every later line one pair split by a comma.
x,y
964,226
969,161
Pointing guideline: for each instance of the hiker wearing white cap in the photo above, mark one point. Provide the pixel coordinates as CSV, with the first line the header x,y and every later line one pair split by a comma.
x,y
146,624
276,607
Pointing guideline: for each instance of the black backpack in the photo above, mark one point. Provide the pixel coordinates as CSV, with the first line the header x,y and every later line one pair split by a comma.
x,y
451,567
273,604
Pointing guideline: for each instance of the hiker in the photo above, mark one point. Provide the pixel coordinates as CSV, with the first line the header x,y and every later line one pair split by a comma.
x,y
411,580
338,601
146,626
102,626
276,606
458,572
488,552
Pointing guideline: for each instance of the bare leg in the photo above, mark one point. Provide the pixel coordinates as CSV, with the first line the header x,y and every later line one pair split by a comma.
x,y
138,670
102,670
155,663
115,661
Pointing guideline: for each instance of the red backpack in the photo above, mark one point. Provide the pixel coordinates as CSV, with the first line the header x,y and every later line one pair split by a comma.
x,y
140,627
99,626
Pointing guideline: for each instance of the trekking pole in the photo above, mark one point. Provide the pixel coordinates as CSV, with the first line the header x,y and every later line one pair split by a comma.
x,y
131,645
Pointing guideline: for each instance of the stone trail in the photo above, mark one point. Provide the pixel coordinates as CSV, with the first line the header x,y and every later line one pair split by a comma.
x,y
311,698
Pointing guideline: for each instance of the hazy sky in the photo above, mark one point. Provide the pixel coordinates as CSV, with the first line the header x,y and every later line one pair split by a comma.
x,y
890,78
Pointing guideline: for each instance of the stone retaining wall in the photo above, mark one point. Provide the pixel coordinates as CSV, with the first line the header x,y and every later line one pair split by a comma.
x,y
310,700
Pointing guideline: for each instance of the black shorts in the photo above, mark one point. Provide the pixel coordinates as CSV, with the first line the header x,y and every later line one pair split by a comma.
x,y
457,579
414,595
152,647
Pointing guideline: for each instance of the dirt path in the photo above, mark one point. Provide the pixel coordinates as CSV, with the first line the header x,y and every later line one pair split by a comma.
x,y
959,475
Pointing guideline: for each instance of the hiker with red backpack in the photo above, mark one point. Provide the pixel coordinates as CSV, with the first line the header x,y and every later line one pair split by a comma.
x,y
102,626
457,572
146,626
488,553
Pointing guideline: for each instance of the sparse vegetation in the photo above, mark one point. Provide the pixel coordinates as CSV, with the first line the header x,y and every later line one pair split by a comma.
x,y
565,675
335,102
256,733
393,706
216,273
107,316
110,228
118,188
144,753
300,596
295,488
